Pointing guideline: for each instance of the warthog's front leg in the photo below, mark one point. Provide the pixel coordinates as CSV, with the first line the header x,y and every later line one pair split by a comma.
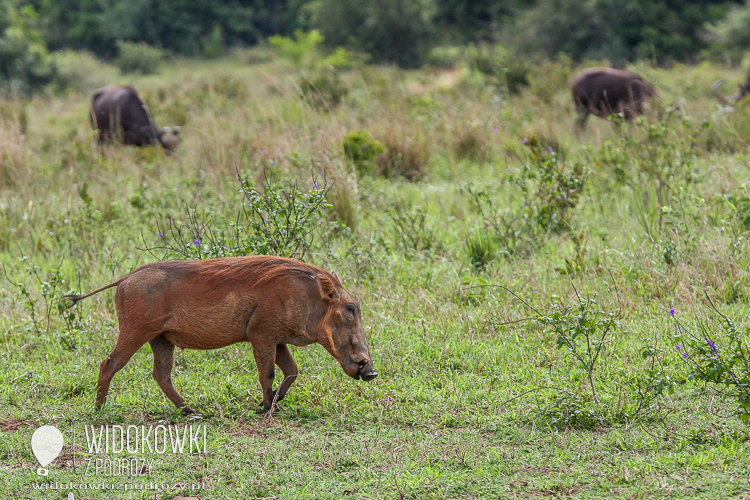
x,y
265,357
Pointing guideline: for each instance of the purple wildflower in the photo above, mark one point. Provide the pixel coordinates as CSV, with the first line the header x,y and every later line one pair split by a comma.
x,y
685,355
525,140
161,235
197,241
260,151
494,129
551,150
712,346
315,185
678,347
671,311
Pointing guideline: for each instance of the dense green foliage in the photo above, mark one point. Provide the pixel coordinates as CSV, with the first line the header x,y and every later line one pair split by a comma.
x,y
394,31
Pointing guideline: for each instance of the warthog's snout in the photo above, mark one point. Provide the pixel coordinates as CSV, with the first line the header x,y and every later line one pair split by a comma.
x,y
366,372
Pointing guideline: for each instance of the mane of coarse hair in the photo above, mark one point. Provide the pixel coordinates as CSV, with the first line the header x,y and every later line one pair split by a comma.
x,y
262,269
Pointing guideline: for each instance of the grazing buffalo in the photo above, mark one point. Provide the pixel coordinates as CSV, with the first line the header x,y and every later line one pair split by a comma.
x,y
603,91
743,91
119,114
206,304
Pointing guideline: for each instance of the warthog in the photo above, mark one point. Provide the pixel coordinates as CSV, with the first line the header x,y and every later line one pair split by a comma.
x,y
119,114
206,304
603,91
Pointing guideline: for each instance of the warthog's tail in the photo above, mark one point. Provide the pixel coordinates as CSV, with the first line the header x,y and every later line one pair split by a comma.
x,y
75,298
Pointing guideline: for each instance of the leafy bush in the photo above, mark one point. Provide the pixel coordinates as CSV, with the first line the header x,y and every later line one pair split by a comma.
x,y
719,356
301,49
361,149
25,63
731,35
500,67
213,44
273,221
138,57
81,71
583,331
548,190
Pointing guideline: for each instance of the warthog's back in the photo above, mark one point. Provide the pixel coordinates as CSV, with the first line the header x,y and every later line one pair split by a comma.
x,y
218,302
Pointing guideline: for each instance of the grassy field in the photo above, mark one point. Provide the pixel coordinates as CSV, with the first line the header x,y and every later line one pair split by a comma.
x,y
484,237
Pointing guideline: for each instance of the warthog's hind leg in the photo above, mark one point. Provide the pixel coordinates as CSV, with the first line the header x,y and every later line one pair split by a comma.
x,y
163,359
118,358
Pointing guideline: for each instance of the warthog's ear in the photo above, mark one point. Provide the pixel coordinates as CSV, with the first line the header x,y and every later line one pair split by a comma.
x,y
327,288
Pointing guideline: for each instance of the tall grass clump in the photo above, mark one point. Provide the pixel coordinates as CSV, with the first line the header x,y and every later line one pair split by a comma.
x,y
362,150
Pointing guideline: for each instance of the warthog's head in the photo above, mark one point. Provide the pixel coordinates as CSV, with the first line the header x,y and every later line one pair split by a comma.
x,y
341,331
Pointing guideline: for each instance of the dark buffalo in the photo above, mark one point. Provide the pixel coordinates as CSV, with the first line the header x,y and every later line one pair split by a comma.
x,y
270,302
604,91
119,114
743,91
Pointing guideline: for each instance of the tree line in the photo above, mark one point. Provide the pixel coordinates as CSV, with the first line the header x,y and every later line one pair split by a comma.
x,y
402,32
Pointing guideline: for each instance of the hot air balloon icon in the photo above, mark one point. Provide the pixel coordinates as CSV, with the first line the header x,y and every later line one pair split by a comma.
x,y
46,443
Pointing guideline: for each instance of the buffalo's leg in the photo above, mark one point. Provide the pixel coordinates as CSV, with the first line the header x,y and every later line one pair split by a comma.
x,y
118,358
163,359
285,361
265,354
583,114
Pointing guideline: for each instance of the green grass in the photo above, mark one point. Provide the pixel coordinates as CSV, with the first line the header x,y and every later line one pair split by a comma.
x,y
472,400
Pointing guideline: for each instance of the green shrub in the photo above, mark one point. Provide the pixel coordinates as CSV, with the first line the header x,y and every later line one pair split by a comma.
x,y
302,49
718,353
500,67
138,57
81,71
213,44
547,188
275,220
322,88
361,149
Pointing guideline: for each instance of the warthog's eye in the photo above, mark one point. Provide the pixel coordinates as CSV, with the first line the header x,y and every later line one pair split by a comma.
x,y
350,307
362,364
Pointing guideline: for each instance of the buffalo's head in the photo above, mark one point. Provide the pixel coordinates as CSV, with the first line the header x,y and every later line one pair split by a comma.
x,y
168,137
